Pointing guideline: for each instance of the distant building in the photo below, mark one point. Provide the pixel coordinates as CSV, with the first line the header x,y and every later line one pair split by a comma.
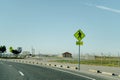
x,y
67,55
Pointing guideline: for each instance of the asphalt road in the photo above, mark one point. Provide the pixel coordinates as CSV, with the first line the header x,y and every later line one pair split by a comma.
x,y
17,71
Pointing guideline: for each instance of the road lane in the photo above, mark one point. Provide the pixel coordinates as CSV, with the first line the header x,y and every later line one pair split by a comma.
x,y
32,72
7,72
40,73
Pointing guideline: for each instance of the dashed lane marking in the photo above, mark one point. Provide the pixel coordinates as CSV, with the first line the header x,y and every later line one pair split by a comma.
x,y
21,73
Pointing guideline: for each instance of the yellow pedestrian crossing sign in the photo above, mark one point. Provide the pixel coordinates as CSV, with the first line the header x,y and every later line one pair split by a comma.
x,y
79,35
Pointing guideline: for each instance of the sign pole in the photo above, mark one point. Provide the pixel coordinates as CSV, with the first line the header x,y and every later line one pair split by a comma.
x,y
79,35
79,59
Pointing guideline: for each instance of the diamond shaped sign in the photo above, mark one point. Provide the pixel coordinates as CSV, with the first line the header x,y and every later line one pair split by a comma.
x,y
79,35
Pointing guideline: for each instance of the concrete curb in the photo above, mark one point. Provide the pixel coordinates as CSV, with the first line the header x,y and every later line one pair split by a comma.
x,y
40,63
118,75
96,71
105,73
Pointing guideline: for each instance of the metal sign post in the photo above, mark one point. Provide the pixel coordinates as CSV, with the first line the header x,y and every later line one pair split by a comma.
x,y
118,60
79,35
79,59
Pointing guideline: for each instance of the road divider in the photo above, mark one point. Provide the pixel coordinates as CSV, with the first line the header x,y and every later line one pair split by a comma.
x,y
96,71
68,66
118,75
102,72
107,73
49,64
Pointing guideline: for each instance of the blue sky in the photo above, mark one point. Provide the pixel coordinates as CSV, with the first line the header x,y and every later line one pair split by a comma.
x,y
49,25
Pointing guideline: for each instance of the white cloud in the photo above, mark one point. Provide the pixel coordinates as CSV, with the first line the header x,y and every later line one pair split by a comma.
x,y
108,9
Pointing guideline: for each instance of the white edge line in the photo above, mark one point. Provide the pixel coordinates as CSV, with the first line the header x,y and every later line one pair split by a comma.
x,y
21,73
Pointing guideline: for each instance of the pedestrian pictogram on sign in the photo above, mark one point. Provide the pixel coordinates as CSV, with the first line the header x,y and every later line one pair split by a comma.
x,y
79,35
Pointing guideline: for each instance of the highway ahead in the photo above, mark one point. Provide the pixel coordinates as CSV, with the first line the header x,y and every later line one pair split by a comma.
x,y
17,71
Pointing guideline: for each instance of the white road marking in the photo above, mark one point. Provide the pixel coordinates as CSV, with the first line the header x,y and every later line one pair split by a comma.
x,y
10,65
21,73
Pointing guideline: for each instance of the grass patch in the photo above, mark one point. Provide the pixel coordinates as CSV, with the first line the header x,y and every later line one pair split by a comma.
x,y
105,61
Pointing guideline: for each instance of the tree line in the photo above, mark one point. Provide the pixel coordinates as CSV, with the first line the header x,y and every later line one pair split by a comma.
x,y
16,52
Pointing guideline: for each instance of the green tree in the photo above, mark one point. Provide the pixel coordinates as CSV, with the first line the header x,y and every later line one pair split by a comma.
x,y
16,52
2,50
